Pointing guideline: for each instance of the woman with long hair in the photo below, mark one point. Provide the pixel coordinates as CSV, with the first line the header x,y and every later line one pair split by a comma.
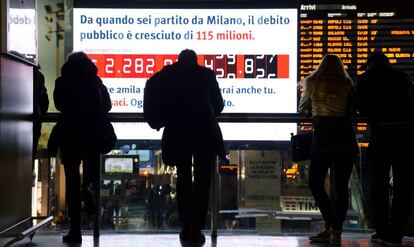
x,y
327,97
83,100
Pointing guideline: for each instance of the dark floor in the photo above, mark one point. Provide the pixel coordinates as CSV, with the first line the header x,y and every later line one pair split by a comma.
x,y
171,240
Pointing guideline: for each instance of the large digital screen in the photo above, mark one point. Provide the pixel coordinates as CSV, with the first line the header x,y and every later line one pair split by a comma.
x,y
252,51
353,31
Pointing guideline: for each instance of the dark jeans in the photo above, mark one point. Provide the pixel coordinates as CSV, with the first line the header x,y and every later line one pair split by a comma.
x,y
71,162
333,208
193,197
386,151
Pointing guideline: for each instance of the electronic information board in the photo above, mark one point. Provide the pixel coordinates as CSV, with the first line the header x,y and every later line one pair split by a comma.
x,y
353,31
252,51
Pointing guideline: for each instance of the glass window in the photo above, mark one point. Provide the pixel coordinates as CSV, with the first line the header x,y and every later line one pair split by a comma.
x,y
260,189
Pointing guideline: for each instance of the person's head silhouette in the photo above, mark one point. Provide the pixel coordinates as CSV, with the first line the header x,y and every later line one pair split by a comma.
x,y
187,58
79,63
376,59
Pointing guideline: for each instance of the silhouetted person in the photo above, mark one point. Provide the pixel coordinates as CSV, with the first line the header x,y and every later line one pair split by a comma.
x,y
385,96
82,99
191,101
327,97
40,104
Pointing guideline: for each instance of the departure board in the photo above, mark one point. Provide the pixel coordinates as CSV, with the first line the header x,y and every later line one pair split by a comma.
x,y
353,31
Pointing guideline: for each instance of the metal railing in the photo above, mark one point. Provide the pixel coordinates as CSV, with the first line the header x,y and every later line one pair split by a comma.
x,y
223,118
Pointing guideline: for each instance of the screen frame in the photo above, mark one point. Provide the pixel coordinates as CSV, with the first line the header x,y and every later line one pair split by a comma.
x,y
126,4
239,117
184,4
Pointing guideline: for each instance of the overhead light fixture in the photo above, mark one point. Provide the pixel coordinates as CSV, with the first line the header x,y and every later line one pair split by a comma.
x,y
48,9
61,7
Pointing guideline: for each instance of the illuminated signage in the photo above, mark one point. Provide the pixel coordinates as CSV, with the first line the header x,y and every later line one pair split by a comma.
x,y
252,51
22,33
298,204
353,32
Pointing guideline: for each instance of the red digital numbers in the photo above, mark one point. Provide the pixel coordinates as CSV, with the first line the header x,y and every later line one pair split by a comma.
x,y
225,66
247,66
130,66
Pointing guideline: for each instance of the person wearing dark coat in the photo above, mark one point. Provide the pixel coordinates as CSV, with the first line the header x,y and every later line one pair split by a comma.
x,y
191,101
386,97
82,99
40,104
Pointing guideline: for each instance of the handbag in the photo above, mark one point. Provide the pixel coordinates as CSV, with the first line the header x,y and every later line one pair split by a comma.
x,y
106,142
54,140
108,137
301,146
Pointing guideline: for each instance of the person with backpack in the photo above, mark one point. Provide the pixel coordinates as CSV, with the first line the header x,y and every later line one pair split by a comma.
x,y
185,99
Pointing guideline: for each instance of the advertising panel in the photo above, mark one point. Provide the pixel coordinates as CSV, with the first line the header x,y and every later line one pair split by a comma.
x,y
252,51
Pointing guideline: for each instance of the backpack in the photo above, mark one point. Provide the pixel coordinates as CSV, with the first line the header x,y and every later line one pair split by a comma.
x,y
153,110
